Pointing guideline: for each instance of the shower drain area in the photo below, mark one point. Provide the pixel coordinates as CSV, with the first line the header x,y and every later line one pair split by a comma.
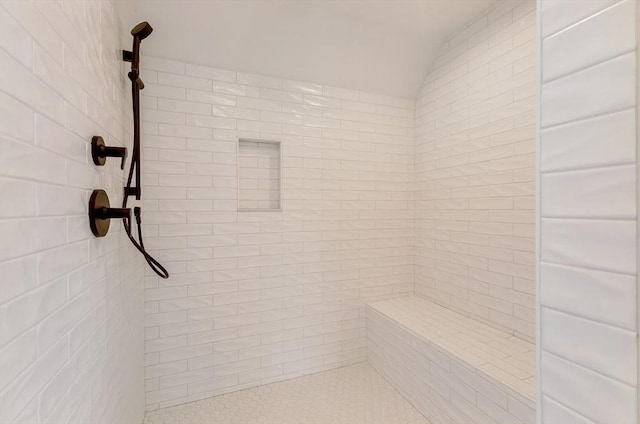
x,y
356,394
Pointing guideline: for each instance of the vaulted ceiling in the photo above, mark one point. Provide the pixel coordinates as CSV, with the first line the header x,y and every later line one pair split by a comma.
x,y
382,46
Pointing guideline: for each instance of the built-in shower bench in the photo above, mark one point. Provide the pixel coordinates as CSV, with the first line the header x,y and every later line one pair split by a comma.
x,y
454,369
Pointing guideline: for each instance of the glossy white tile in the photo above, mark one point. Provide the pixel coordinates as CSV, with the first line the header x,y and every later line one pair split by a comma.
x,y
588,173
592,193
56,92
206,72
19,198
19,82
22,160
580,144
601,36
17,119
575,386
598,291
19,394
15,39
560,14
553,412
17,356
599,244
589,343
603,88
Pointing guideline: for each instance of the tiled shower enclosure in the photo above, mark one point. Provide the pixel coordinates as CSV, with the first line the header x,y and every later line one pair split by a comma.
x,y
464,253
257,297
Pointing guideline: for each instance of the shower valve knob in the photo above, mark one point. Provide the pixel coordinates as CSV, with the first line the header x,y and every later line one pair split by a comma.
x,y
101,213
100,152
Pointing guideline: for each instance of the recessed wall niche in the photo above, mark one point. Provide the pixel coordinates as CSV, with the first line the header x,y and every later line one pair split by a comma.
x,y
259,173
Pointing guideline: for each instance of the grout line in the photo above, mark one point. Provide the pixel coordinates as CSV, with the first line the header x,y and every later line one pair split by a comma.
x,y
569,218
586,318
594,218
586,368
591,15
579,267
538,208
637,128
588,421
590,167
586,268
585,118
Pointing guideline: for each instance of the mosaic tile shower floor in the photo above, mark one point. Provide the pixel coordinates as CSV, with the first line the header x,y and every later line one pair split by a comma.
x,y
351,395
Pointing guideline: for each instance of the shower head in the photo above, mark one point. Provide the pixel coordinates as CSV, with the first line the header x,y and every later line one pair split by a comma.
x,y
139,32
142,30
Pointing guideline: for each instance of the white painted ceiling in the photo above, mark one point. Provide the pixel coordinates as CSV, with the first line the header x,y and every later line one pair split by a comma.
x,y
382,46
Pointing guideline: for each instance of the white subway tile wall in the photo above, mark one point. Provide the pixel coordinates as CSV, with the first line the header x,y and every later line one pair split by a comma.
x,y
588,212
258,175
70,304
475,143
257,297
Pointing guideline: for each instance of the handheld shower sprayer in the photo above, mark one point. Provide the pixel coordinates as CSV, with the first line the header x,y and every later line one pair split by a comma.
x,y
139,33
